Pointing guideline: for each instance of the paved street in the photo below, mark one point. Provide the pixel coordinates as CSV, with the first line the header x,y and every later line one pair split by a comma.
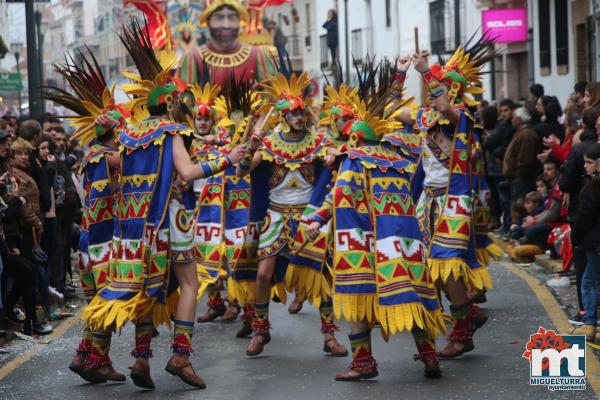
x,y
294,367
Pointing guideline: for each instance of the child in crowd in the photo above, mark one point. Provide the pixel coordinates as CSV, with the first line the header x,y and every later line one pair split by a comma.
x,y
542,187
533,205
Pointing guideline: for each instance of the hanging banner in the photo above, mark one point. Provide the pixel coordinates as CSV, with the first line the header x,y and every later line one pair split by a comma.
x,y
507,26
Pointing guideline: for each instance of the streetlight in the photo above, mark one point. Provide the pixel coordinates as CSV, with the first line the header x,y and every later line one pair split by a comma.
x,y
16,48
41,27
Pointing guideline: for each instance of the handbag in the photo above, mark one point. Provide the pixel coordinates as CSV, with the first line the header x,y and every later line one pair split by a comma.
x,y
39,255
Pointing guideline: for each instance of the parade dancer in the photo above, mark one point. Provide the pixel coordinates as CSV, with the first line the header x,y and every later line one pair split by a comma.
x,y
286,169
450,186
154,235
337,112
91,99
380,272
206,138
223,209
223,202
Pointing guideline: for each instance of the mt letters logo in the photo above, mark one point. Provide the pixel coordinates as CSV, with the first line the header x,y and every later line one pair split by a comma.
x,y
556,361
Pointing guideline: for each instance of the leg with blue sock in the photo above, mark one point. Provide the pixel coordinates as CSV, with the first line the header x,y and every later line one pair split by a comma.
x,y
99,366
215,305
468,318
426,347
247,318
261,324
78,363
363,364
179,364
328,328
140,371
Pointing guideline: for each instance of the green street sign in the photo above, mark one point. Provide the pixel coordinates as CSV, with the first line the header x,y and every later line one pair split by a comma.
x,y
10,81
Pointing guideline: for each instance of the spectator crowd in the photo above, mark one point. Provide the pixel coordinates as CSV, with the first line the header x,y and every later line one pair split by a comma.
x,y
40,213
542,164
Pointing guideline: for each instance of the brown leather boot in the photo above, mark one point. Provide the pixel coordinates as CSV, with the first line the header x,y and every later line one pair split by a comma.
x,y
478,318
257,344
102,374
359,369
77,364
335,348
232,312
460,340
213,312
296,305
181,367
429,357
246,329
140,374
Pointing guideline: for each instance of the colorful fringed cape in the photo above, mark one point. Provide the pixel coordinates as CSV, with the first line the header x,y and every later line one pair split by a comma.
x,y
451,242
221,224
139,277
379,259
97,225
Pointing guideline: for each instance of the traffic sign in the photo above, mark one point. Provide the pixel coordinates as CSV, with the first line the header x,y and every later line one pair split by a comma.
x,y
10,81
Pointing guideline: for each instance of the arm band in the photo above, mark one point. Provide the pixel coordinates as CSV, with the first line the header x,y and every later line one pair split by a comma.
x,y
213,167
397,85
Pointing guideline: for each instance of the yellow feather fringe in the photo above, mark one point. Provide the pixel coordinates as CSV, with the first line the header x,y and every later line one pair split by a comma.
x,y
443,268
244,292
308,284
162,313
204,278
101,314
490,251
394,319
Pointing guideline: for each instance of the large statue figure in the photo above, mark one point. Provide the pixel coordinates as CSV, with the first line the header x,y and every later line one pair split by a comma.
x,y
224,54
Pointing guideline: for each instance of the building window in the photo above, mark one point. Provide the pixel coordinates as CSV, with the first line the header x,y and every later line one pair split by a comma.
x,y
357,45
561,19
388,14
545,42
325,61
308,39
438,29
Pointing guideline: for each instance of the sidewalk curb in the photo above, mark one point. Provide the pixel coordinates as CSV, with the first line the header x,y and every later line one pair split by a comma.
x,y
542,260
21,359
559,319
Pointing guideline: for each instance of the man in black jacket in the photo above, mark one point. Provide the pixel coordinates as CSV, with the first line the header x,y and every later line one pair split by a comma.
x,y
68,205
571,182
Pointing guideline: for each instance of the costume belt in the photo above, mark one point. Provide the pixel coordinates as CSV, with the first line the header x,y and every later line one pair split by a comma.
x,y
287,209
435,192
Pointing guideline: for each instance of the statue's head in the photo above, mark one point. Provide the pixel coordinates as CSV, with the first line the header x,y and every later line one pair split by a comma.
x,y
224,18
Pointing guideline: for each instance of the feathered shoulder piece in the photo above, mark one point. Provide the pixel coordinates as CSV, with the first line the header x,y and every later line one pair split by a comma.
x,y
90,96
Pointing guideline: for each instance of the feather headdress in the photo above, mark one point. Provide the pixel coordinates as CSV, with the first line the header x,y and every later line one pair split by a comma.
x,y
91,96
462,72
154,83
238,104
285,94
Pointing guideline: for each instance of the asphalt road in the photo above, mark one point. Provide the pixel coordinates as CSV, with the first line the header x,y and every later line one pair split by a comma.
x,y
294,366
